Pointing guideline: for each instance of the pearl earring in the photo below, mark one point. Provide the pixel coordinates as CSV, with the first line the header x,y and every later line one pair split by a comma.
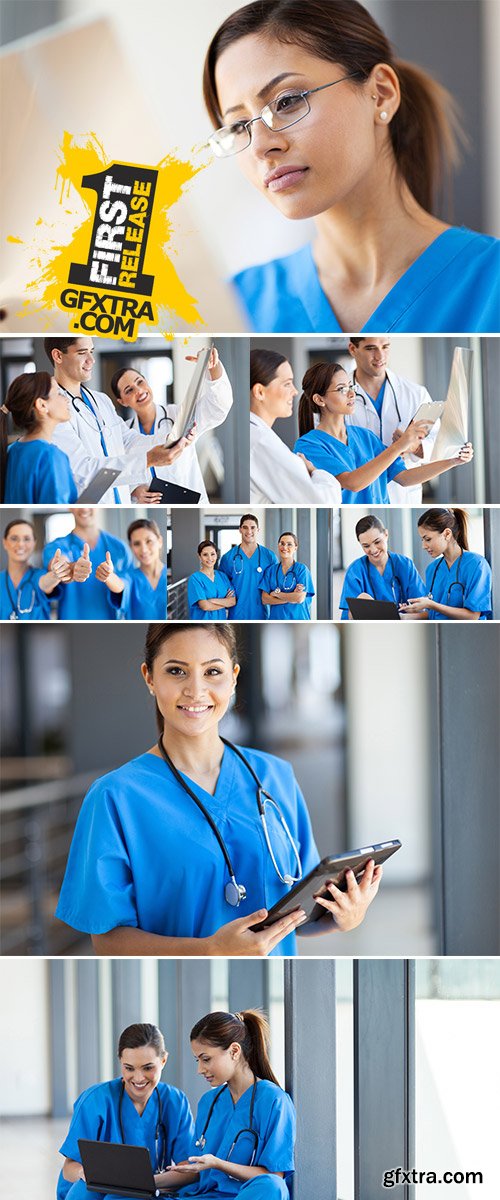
x,y
383,115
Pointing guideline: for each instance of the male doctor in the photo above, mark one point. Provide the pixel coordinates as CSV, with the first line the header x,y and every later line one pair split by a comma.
x,y
95,436
386,403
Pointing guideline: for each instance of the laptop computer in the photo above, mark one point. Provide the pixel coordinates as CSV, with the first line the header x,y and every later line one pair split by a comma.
x,y
372,610
117,1170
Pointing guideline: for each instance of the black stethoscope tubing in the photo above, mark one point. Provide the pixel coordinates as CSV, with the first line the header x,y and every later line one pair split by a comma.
x,y
236,892
454,583
160,1131
253,1132
81,412
360,396
285,577
239,555
16,603
395,579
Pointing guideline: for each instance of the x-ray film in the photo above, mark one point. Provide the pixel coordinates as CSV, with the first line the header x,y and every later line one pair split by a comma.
x,y
454,430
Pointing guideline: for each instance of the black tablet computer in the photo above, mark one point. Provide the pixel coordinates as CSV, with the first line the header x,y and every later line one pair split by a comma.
x,y
117,1170
362,609
332,869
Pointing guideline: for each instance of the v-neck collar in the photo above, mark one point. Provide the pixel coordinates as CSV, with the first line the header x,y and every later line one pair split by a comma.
x,y
414,281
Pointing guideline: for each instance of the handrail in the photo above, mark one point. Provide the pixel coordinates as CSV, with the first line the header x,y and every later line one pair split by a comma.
x,y
40,794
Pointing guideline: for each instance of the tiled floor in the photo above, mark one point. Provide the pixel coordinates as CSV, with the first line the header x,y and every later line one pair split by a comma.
x,y
29,1159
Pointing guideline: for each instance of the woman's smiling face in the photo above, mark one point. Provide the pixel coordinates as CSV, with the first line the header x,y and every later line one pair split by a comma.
x,y
193,680
318,162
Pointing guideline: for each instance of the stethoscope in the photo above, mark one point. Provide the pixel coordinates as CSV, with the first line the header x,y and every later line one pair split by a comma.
x,y
454,583
236,892
238,569
394,580
164,420
160,1131
17,610
361,396
85,411
202,1141
285,587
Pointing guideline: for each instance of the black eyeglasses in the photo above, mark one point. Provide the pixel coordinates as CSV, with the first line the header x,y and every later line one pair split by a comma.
x,y
281,113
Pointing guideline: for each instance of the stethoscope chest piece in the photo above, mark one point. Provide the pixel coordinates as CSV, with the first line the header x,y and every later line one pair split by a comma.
x,y
234,894
259,570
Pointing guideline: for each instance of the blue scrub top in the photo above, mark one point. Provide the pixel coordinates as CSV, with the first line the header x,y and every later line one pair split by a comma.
x,y
140,601
143,855
274,577
453,286
91,600
38,473
95,1118
201,587
27,594
330,454
398,583
466,584
245,578
273,1121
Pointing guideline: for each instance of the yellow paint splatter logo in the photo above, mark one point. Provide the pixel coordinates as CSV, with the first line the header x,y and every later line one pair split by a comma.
x,y
115,274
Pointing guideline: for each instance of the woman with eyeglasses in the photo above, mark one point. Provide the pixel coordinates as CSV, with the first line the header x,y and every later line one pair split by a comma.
x,y
457,581
379,574
183,850
355,455
287,587
135,1109
245,1124
327,123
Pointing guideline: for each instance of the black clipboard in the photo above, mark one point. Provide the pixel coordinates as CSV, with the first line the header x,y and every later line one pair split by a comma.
x,y
173,493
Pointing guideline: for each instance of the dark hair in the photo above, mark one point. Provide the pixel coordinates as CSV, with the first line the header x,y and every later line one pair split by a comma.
x,y
248,517
367,523
136,1036
62,344
317,380
143,523
288,533
20,402
264,365
356,341
159,632
439,519
18,521
116,379
203,546
250,1029
424,132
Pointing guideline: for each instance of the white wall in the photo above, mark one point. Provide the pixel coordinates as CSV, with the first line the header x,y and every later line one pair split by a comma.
x,y
24,1021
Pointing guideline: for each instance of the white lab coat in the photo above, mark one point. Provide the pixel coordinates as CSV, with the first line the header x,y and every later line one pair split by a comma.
x,y
409,397
214,403
278,476
80,439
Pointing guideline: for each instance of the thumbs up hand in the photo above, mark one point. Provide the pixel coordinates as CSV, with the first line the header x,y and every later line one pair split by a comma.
x,y
60,568
83,566
105,569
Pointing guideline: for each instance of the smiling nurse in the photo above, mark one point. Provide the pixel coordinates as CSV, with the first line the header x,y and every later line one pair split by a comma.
x,y
161,842
328,124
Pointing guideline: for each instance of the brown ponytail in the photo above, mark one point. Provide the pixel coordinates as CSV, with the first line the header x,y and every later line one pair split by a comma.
x,y
439,519
425,132
20,403
316,382
250,1029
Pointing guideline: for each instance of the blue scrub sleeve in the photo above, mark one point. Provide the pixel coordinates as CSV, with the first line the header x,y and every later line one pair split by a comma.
x,y
279,1135
120,601
183,1142
305,577
57,485
478,586
354,583
322,458
226,565
85,1123
196,589
396,468
414,583
268,581
98,892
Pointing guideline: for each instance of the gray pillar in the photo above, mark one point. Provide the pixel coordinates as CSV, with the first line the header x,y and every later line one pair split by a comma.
x,y
310,1073
58,1048
234,433
88,1023
248,984
383,1073
491,518
195,1000
126,995
490,362
187,533
468,769
324,580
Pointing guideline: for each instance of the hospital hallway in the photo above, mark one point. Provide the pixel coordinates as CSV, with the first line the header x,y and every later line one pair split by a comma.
x,y
28,1156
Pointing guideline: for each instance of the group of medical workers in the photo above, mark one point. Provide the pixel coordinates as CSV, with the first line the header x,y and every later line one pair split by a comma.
x,y
87,575
242,1142
458,582
70,432
251,583
358,440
